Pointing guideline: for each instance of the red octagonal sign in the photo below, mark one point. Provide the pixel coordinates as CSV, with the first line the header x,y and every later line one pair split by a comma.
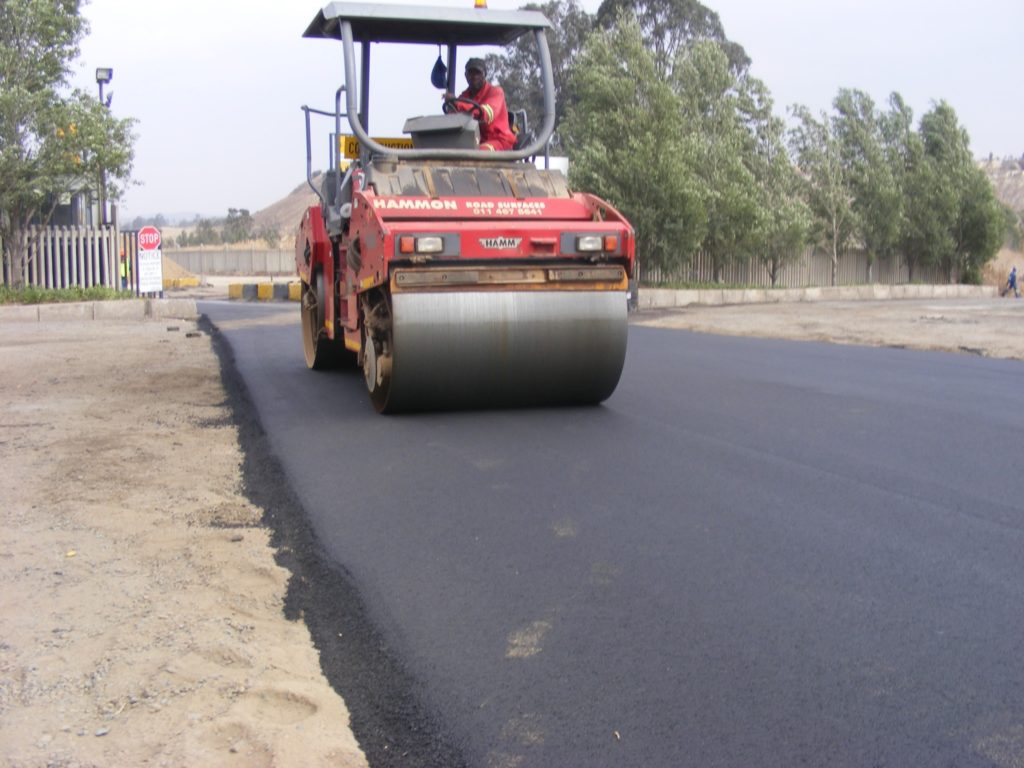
x,y
149,239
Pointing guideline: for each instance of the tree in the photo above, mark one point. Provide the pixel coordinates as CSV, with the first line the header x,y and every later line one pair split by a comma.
x,y
819,159
159,221
626,142
711,114
49,141
518,70
238,225
978,224
270,235
952,218
982,226
668,26
877,201
205,233
930,205
784,220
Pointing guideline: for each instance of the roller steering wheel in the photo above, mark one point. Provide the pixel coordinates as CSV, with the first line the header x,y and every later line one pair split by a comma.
x,y
449,106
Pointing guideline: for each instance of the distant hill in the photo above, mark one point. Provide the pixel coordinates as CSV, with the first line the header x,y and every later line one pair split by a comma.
x,y
285,214
1007,176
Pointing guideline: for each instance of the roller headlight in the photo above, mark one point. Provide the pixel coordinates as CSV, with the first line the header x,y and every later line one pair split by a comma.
x,y
425,244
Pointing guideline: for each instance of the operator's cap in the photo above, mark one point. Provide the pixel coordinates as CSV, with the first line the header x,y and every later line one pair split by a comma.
x,y
477,64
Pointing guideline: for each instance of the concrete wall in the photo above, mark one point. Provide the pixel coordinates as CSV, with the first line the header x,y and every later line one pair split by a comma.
x,y
222,261
662,298
126,309
813,267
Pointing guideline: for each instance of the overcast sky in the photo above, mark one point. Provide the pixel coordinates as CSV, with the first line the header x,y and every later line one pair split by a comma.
x,y
217,85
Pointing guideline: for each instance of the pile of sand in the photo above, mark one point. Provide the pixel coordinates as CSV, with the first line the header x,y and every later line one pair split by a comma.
x,y
174,271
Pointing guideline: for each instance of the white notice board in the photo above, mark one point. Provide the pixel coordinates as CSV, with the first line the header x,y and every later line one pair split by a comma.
x,y
151,271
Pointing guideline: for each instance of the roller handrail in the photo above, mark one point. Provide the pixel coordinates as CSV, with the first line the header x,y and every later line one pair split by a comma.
x,y
337,114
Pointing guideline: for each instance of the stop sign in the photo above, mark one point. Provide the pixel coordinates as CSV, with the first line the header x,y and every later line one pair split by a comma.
x,y
149,239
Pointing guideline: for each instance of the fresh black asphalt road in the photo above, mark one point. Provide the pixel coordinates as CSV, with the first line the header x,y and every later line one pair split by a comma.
x,y
755,553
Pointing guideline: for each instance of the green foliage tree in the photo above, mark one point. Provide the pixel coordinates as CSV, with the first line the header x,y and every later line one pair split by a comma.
x,y
819,157
872,176
49,141
711,110
952,217
205,233
270,235
625,138
930,205
669,26
982,225
784,220
978,226
159,221
238,225
517,69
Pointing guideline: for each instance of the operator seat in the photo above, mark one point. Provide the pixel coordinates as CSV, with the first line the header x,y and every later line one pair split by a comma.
x,y
519,124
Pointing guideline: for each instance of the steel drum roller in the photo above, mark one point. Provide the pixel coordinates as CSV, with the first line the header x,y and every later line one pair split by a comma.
x,y
462,349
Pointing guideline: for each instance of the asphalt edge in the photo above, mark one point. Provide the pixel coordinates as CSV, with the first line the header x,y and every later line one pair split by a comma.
x,y
391,724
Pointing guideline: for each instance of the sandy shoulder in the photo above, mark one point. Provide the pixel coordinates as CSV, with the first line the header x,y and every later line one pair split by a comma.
x,y
141,620
990,327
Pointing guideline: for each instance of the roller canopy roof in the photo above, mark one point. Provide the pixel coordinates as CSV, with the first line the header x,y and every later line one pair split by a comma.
x,y
378,23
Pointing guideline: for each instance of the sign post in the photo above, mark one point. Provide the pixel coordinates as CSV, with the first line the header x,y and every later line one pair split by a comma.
x,y
151,265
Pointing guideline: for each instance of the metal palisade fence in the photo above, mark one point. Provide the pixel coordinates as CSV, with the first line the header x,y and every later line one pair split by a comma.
x,y
65,257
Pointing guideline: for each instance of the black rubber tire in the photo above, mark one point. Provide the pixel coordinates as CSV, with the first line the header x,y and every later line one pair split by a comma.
x,y
321,352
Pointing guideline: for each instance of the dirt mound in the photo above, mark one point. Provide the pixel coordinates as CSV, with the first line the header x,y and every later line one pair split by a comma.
x,y
173,271
285,214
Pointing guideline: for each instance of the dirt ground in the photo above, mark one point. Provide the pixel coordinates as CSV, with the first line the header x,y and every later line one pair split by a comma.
x,y
142,620
990,327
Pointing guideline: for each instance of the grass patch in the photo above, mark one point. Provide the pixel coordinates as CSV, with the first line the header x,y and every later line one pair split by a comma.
x,y
34,295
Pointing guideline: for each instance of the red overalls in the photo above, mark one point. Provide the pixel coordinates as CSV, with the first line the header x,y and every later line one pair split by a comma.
x,y
494,131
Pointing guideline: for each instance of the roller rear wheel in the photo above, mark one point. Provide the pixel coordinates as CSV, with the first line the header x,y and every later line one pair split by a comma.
x,y
321,351
378,346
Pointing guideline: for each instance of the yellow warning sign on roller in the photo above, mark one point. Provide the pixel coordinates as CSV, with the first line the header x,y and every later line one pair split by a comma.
x,y
350,144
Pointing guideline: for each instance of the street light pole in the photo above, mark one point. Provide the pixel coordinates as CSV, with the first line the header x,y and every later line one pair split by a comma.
x,y
103,75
